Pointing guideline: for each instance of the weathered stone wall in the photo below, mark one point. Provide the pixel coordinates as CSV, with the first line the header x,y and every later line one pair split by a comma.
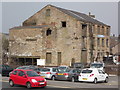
x,y
67,40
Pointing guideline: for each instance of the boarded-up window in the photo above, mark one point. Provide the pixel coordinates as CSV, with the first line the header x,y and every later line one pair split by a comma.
x,y
48,12
59,58
48,57
98,29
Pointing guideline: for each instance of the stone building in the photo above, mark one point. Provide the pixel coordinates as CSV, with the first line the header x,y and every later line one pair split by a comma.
x,y
59,36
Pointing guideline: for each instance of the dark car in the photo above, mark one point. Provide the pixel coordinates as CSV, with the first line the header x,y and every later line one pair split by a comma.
x,y
68,74
30,67
74,74
5,70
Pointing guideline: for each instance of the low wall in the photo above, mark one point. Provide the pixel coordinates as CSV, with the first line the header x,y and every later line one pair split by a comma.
x,y
112,69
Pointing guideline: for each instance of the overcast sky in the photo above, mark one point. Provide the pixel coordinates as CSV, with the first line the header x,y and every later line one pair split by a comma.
x,y
14,13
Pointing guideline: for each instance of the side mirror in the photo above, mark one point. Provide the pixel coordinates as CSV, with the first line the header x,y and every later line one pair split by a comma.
x,y
24,76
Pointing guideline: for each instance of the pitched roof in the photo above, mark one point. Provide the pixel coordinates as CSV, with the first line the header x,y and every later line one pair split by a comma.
x,y
80,16
23,27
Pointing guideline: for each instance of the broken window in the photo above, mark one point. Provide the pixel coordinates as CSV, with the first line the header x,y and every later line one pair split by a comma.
x,y
48,12
48,57
48,32
63,23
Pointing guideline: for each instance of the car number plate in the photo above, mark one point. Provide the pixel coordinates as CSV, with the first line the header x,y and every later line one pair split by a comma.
x,y
84,78
43,76
42,83
60,73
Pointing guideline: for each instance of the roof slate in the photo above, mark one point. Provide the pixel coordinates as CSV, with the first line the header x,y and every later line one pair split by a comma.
x,y
80,16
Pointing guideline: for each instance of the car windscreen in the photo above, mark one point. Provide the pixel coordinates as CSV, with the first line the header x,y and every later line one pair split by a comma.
x,y
32,74
45,69
64,70
87,71
97,65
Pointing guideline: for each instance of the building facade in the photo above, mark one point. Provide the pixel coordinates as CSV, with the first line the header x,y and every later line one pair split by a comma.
x,y
60,36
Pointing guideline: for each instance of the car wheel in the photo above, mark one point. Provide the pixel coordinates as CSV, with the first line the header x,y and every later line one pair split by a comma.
x,y
28,85
11,83
106,80
95,80
53,78
73,79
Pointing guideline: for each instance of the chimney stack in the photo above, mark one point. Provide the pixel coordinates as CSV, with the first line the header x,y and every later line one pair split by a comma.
x,y
92,16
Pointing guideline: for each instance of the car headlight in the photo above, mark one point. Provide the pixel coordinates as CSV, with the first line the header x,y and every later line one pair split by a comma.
x,y
33,80
45,80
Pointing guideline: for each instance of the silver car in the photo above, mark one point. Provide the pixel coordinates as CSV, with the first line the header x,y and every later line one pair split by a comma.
x,y
48,72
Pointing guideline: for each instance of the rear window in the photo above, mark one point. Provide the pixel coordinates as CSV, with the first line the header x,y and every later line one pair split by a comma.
x,y
45,69
97,65
87,71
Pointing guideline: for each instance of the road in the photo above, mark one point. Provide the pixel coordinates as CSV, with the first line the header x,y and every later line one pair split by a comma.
x,y
55,85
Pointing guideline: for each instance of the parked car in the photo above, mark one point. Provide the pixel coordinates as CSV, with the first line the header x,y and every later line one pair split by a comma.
x,y
48,72
93,75
73,74
97,65
30,67
69,74
5,70
62,68
27,78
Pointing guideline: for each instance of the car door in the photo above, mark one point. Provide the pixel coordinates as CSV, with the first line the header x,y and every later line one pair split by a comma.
x,y
21,79
101,75
14,76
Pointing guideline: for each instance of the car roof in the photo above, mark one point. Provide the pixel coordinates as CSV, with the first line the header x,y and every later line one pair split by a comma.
x,y
23,70
90,69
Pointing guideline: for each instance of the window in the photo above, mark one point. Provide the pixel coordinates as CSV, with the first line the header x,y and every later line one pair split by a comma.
x,y
63,23
103,42
54,70
48,32
98,29
101,72
59,58
21,73
48,58
84,26
107,31
107,41
15,72
84,29
48,12
98,41
103,30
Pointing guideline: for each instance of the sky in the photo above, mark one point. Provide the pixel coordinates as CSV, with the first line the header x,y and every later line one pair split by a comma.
x,y
14,13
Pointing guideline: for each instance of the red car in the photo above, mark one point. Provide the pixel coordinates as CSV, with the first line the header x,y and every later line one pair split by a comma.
x,y
27,78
